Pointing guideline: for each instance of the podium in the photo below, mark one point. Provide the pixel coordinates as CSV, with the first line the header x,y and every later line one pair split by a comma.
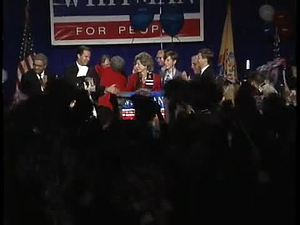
x,y
126,106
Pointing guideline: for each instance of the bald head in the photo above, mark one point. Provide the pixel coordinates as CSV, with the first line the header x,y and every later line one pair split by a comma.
x,y
160,57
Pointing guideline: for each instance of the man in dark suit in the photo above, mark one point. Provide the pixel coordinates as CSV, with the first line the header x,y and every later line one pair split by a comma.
x,y
170,72
34,81
81,76
205,57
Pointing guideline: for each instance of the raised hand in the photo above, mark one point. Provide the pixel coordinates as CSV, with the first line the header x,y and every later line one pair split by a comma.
x,y
184,76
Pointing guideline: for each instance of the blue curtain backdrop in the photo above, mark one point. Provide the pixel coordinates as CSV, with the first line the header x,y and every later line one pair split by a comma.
x,y
249,40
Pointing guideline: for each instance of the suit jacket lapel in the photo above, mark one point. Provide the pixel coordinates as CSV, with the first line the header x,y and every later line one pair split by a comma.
x,y
163,74
76,69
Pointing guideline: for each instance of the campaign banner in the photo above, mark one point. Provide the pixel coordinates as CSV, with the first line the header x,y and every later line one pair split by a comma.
x,y
127,108
105,22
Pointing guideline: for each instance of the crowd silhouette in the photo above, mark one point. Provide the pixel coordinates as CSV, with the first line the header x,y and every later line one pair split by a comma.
x,y
210,162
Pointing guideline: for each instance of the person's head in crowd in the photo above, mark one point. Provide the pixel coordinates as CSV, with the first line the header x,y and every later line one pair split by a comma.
x,y
160,57
195,65
83,55
40,62
256,78
171,59
145,108
177,93
105,61
205,95
245,101
144,63
205,57
117,63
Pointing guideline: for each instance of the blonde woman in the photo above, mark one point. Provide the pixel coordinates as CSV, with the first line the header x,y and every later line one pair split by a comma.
x,y
143,78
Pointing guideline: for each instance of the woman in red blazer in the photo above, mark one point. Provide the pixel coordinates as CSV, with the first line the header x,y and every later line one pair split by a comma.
x,y
111,75
144,77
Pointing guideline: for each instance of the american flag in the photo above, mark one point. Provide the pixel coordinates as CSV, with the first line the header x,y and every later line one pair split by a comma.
x,y
26,58
26,52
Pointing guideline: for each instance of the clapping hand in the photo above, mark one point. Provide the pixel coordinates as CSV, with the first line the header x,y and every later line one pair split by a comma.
x,y
185,76
89,84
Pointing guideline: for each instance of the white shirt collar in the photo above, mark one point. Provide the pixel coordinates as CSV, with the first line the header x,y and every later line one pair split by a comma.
x,y
204,68
82,70
41,75
78,65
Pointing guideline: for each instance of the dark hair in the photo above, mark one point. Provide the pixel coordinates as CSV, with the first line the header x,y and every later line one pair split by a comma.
x,y
257,77
178,91
173,55
205,94
82,48
145,107
103,58
208,54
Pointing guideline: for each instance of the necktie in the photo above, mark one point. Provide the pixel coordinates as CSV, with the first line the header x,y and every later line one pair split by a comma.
x,y
42,82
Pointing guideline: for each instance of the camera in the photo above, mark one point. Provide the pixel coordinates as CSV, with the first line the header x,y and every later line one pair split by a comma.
x,y
80,83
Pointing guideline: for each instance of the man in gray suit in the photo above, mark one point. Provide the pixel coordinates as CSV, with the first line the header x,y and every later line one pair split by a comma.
x,y
170,72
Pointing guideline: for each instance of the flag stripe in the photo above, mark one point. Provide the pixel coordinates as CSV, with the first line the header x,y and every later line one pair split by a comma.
x,y
26,51
25,56
28,67
30,61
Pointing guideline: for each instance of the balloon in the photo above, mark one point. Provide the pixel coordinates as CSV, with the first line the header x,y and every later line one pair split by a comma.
x,y
172,20
266,12
141,17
